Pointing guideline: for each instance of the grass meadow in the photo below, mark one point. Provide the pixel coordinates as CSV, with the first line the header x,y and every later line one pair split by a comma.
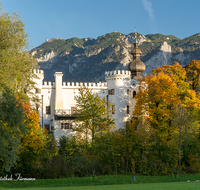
x,y
146,186
115,182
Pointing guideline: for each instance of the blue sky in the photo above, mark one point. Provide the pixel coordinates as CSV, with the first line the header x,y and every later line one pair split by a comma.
x,y
46,19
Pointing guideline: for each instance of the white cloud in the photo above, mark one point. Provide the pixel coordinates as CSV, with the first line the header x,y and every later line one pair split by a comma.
x,y
148,7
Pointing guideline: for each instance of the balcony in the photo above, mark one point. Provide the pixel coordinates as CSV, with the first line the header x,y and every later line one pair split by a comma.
x,y
65,114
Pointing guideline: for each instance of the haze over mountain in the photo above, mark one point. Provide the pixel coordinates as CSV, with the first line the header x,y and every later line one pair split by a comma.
x,y
87,59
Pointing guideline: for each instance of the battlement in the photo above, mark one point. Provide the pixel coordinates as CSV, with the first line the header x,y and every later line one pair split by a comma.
x,y
76,84
117,72
38,71
86,84
48,84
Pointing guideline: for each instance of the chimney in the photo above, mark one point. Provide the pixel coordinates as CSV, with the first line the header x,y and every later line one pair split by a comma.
x,y
58,91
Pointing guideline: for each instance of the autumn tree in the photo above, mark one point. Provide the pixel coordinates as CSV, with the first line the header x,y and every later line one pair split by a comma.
x,y
93,114
35,138
193,75
35,143
166,88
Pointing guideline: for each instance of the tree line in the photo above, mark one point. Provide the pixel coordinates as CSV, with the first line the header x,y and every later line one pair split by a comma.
x,y
163,136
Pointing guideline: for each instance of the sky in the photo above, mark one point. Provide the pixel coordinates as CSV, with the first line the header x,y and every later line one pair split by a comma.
x,y
46,19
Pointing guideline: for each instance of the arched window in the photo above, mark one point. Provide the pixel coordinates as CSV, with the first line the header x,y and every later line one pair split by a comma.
x,y
134,94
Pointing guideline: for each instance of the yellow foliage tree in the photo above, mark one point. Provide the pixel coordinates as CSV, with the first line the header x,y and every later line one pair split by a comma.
x,y
34,139
158,104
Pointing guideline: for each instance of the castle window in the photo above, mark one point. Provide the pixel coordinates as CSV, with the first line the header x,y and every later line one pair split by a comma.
x,y
127,109
46,127
64,125
37,107
134,94
38,91
113,109
71,126
111,92
127,91
48,110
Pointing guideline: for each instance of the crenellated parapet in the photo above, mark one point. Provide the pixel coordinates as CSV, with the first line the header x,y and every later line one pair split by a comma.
x,y
39,75
118,72
118,75
38,71
86,84
50,84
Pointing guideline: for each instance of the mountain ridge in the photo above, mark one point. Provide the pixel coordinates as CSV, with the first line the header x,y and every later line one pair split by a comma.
x,y
87,59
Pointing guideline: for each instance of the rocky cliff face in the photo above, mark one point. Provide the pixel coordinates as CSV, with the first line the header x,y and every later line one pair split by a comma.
x,y
88,59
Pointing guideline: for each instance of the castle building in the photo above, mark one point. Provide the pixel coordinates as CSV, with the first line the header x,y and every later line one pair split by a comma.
x,y
58,102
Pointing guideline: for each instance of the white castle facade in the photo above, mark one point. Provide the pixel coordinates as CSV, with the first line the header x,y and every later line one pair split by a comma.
x,y
58,102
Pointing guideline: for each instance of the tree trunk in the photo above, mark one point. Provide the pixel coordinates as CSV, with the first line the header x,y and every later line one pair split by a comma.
x,y
179,150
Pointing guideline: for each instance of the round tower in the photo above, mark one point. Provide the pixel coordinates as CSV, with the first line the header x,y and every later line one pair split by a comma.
x,y
38,79
118,83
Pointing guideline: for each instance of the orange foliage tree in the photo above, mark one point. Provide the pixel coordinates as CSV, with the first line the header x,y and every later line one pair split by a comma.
x,y
34,138
166,89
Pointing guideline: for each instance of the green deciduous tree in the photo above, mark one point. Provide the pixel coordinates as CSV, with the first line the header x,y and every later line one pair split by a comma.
x,y
11,129
184,122
16,75
93,114
16,63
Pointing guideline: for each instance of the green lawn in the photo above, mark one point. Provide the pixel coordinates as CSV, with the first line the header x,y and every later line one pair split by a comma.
x,y
109,181
145,186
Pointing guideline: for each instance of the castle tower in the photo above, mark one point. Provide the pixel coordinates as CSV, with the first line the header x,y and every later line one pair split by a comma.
x,y
118,83
38,80
137,67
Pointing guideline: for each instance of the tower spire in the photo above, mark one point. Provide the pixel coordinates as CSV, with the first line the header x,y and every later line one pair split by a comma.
x,y
135,32
136,42
137,67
